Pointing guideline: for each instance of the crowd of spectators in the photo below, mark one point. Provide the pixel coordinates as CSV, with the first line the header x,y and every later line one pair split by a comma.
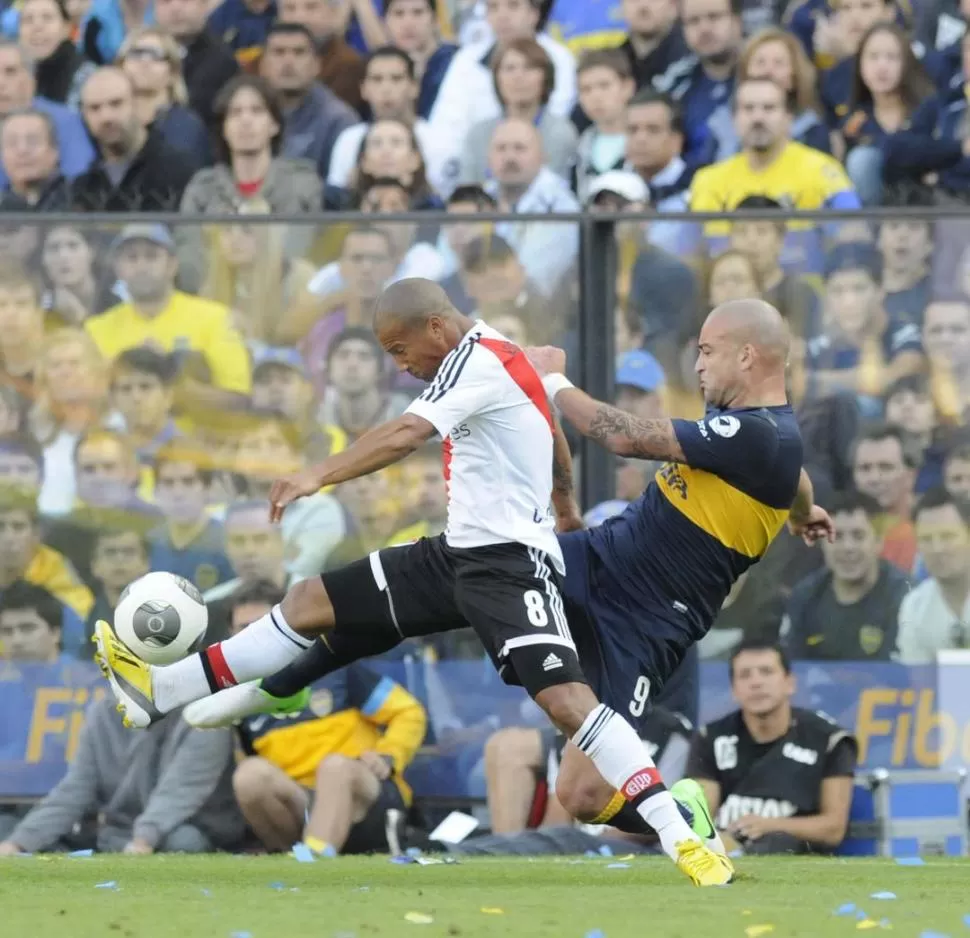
x,y
155,378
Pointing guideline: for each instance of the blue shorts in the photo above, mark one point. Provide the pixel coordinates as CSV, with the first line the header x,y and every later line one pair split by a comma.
x,y
630,654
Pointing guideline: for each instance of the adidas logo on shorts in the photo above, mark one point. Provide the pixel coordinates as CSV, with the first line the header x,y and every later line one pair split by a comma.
x,y
552,662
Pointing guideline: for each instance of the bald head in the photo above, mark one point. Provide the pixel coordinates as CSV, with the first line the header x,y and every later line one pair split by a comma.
x,y
411,302
755,323
108,108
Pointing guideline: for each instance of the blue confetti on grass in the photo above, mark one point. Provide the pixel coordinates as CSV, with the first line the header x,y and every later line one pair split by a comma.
x,y
207,893
303,854
606,851
860,915
911,861
279,887
618,866
932,934
403,859
966,920
240,934
596,933
847,908
80,854
111,884
883,895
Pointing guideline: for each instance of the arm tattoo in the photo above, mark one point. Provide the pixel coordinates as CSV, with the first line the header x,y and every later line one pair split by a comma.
x,y
627,435
562,478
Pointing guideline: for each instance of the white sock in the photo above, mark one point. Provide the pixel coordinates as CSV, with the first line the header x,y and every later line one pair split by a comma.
x,y
618,754
259,650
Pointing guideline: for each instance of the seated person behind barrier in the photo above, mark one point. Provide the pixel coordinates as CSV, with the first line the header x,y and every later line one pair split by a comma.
x,y
328,774
168,793
777,778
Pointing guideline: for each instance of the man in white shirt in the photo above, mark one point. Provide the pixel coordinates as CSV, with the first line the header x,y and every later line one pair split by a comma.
x,y
521,183
390,87
467,94
936,615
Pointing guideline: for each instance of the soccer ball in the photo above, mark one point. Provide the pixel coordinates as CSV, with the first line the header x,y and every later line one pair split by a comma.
x,y
161,617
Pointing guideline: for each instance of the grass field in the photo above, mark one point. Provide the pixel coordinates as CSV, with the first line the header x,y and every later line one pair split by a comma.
x,y
220,897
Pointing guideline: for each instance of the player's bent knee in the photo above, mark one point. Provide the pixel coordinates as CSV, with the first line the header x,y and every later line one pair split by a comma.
x,y
514,747
252,779
307,607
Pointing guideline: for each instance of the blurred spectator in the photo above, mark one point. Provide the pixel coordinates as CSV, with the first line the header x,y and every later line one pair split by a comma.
x,y
412,26
136,170
763,243
777,55
249,271
373,515
390,150
282,387
456,236
408,257
426,504
76,285
859,348
356,398
946,338
170,795
906,245
31,624
11,411
152,60
910,407
881,470
467,95
189,543
933,149
119,556
639,386
70,397
774,796
521,183
848,610
24,557
207,62
887,87
956,470
334,790
143,394
45,36
366,264
712,30
314,526
654,45
936,614
341,67
21,462
605,87
497,282
243,26
654,142
249,171
214,359
390,89
770,163
107,22
523,75
18,90
315,116
28,152
21,328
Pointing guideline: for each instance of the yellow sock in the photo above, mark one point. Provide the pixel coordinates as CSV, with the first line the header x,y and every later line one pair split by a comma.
x,y
611,810
319,846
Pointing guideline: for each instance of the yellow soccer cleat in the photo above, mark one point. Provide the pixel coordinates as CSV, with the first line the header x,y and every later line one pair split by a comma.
x,y
703,865
130,678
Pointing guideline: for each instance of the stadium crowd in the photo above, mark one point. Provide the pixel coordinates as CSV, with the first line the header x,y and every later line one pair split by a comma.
x,y
154,378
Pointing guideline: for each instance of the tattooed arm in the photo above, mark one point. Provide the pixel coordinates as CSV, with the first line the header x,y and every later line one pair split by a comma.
x,y
568,515
618,431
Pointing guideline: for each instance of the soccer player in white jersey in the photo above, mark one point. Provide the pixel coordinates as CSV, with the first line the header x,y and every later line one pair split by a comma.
x,y
497,567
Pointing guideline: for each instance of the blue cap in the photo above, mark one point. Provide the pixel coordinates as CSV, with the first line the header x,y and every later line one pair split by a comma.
x,y
855,255
278,355
639,369
145,231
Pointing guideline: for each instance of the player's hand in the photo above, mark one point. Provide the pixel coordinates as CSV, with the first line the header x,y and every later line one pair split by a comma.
x,y
751,827
378,764
289,488
547,359
9,849
813,527
139,847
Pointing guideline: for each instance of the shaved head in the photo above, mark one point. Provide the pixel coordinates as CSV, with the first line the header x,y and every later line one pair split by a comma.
x,y
411,302
742,353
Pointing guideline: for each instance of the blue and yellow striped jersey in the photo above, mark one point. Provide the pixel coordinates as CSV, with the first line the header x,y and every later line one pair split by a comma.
x,y
700,524
350,712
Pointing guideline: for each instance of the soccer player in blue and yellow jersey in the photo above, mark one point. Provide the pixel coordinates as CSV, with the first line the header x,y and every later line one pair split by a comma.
x,y
329,770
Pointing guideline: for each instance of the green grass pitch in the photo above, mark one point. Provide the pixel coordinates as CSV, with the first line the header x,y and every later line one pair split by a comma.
x,y
218,897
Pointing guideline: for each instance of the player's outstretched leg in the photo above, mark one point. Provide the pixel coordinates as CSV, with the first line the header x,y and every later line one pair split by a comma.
x,y
145,693
618,754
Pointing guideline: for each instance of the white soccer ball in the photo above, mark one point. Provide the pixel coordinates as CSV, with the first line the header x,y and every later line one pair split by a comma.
x,y
161,617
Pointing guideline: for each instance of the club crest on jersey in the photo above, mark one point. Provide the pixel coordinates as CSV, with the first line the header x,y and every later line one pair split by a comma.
x,y
871,638
724,425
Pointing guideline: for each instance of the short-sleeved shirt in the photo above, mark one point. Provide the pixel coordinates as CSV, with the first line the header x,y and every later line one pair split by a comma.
x,y
188,323
489,406
700,524
816,626
824,352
